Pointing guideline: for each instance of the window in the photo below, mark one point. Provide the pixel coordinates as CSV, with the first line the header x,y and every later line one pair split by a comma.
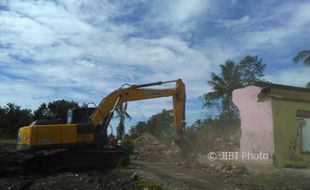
x,y
303,120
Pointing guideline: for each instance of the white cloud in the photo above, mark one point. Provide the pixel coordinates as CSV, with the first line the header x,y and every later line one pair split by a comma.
x,y
288,21
22,92
71,47
234,23
218,51
300,76
178,15
84,50
183,11
147,108
25,30
269,37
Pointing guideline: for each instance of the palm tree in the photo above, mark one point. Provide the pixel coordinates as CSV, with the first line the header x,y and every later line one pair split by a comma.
x,y
303,56
223,85
122,114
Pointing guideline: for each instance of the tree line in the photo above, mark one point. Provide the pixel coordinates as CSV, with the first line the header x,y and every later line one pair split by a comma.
x,y
12,116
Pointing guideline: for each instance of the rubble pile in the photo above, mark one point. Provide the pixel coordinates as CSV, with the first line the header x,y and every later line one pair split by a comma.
x,y
149,147
226,144
227,170
222,140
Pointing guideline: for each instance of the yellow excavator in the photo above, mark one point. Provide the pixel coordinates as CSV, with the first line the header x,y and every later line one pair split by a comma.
x,y
83,140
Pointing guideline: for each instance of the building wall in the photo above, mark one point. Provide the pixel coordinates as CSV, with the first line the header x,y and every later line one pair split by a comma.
x,y
287,136
256,122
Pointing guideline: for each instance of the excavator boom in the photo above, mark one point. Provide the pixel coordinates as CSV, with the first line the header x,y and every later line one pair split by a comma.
x,y
102,115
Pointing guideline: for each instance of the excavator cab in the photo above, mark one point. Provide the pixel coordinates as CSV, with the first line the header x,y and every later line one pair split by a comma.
x,y
79,115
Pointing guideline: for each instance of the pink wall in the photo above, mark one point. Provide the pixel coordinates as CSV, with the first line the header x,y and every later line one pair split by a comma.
x,y
256,121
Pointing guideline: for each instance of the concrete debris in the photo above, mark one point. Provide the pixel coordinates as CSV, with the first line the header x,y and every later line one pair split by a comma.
x,y
149,147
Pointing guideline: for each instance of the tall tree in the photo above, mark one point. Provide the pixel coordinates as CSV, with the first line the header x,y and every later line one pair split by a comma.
x,y
59,109
232,76
161,125
251,70
222,86
303,56
12,117
138,129
41,113
122,114
55,110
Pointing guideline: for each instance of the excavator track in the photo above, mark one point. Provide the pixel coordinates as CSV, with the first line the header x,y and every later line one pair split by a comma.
x,y
14,163
9,164
77,160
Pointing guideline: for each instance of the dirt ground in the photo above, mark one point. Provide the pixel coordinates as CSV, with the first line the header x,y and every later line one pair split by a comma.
x,y
189,177
156,166
98,179
160,163
13,177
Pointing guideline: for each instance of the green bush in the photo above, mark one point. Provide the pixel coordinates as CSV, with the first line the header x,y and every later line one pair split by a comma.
x,y
128,145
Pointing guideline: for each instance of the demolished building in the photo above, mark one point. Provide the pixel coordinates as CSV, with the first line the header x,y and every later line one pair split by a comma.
x,y
275,120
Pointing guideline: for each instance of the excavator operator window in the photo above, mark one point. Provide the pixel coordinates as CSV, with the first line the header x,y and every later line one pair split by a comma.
x,y
79,115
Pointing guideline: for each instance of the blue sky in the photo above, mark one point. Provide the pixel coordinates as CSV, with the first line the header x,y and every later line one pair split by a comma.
x,y
82,50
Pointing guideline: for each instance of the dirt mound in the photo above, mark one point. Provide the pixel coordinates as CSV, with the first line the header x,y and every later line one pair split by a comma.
x,y
149,147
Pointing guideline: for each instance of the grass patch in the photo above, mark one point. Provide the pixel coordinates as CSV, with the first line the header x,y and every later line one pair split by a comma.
x,y
149,185
8,141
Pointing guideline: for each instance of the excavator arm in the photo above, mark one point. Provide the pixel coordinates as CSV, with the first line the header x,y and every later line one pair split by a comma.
x,y
104,112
